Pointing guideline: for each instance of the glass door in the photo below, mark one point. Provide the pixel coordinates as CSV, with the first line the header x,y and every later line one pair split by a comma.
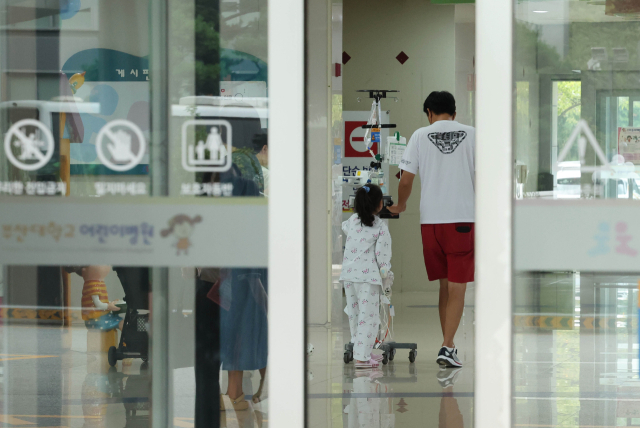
x,y
574,332
140,152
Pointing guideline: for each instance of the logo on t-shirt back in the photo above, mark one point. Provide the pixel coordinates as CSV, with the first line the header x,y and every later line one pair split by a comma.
x,y
447,142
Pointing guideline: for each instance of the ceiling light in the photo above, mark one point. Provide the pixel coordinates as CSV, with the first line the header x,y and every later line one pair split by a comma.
x,y
540,11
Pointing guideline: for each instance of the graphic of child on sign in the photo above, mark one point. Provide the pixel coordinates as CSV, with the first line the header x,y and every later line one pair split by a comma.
x,y
30,147
181,226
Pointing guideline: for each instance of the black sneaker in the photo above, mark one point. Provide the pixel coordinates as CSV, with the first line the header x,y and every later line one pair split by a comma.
x,y
447,376
448,357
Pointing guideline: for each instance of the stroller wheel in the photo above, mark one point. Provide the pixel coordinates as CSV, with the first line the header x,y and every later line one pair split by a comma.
x,y
112,357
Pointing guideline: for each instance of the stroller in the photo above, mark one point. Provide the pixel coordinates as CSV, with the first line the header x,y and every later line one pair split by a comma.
x,y
134,340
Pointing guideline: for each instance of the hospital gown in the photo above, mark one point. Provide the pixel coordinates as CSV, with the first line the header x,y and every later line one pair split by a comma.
x,y
367,250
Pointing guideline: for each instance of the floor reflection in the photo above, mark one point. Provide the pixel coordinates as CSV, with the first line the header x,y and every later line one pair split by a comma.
x,y
364,410
52,380
400,393
576,350
450,415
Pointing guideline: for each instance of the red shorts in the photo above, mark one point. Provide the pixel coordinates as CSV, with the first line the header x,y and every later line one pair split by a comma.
x,y
449,251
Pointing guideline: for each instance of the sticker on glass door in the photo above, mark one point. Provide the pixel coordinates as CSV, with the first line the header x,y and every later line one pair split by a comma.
x,y
34,146
116,148
206,145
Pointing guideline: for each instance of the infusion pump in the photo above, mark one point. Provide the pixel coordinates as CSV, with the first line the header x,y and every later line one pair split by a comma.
x,y
374,176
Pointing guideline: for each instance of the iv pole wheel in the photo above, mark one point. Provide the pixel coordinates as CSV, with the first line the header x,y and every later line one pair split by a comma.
x,y
392,354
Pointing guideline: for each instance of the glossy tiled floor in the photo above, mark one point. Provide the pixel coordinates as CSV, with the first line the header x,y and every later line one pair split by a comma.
x,y
575,364
580,369
403,394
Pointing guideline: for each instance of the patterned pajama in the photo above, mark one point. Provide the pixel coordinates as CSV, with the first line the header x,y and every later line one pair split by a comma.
x,y
363,308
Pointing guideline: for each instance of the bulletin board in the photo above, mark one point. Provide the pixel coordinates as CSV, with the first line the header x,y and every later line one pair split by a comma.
x,y
629,144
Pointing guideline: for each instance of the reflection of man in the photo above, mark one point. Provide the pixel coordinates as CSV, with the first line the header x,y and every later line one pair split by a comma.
x,y
444,155
449,416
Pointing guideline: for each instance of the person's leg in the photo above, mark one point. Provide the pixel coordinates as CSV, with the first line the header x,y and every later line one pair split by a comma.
x,y
207,358
443,301
257,397
234,390
368,320
454,309
436,263
458,243
352,308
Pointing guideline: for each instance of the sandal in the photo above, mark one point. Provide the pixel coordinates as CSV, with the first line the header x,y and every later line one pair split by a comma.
x,y
238,404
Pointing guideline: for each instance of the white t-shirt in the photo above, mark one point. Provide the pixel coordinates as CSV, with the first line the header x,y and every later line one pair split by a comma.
x,y
444,155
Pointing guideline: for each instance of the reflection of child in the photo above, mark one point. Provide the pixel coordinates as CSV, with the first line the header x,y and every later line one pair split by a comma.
x,y
367,258
96,308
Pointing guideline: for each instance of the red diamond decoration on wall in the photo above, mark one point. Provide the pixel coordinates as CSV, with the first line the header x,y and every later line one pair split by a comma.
x,y
402,57
345,57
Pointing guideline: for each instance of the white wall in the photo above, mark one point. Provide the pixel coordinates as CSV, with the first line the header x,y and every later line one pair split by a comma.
x,y
373,36
319,149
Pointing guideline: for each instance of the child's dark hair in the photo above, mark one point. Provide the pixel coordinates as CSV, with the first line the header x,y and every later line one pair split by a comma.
x,y
368,199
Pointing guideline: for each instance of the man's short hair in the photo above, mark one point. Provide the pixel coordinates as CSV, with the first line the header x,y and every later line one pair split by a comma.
x,y
440,102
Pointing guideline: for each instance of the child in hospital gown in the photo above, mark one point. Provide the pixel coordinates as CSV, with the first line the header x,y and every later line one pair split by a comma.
x,y
367,258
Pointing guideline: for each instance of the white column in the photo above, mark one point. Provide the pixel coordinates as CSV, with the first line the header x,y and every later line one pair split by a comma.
x,y
286,213
494,170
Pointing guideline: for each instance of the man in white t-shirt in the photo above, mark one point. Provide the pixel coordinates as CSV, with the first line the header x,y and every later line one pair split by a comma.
x,y
444,154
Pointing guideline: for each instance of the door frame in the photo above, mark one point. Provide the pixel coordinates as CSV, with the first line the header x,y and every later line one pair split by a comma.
x,y
287,137
494,207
